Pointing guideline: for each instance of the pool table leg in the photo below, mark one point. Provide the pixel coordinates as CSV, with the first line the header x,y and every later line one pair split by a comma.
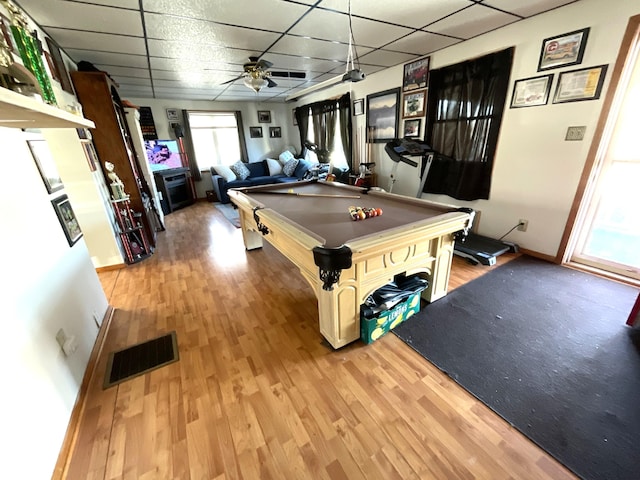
x,y
252,238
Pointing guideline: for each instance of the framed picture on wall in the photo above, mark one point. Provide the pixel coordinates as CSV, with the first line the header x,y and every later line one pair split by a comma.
x,y
382,115
46,165
255,132
275,132
413,104
264,116
416,75
579,85
61,68
358,107
563,50
67,219
531,92
412,127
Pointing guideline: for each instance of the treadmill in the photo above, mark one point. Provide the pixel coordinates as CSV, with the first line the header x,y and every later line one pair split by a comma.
x,y
479,249
474,248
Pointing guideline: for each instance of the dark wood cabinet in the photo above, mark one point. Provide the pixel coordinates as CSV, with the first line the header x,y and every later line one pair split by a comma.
x,y
101,103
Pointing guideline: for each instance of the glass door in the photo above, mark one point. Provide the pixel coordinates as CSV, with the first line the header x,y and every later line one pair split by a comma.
x,y
609,234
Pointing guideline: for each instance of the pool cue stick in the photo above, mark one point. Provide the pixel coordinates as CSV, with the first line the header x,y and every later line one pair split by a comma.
x,y
310,194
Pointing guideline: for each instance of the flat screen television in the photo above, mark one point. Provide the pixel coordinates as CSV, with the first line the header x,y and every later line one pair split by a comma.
x,y
163,154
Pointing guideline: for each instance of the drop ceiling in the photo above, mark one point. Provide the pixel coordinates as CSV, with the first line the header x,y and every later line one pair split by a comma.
x,y
188,49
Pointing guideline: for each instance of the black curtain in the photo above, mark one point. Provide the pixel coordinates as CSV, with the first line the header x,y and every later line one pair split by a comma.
x,y
465,108
324,115
188,147
243,143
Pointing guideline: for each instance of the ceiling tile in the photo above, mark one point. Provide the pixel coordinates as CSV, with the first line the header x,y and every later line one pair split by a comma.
x,y
215,54
334,26
421,43
472,21
132,4
386,58
102,58
307,47
84,16
72,39
123,80
191,32
274,15
412,14
127,71
528,8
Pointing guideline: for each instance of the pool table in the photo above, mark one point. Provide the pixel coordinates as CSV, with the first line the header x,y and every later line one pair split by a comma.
x,y
344,260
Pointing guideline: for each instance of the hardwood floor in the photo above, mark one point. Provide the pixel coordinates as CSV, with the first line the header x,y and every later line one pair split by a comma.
x,y
257,394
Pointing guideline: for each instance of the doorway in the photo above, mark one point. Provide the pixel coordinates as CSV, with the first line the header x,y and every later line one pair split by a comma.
x,y
606,232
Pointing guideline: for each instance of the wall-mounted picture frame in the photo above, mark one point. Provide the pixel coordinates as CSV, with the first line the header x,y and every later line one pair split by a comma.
x,y
67,218
52,67
264,116
275,132
416,75
413,104
255,132
172,115
412,127
358,107
580,85
90,153
46,165
293,115
531,92
382,115
563,50
58,61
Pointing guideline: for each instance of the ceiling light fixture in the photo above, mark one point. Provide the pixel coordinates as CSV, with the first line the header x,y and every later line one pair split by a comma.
x,y
256,80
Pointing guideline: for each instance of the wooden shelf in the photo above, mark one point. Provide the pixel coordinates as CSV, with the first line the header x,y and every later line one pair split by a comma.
x,y
20,111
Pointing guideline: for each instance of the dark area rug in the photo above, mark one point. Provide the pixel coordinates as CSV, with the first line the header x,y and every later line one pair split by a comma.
x,y
546,347
141,358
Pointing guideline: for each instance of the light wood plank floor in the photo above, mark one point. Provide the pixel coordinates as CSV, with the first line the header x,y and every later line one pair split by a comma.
x,y
257,394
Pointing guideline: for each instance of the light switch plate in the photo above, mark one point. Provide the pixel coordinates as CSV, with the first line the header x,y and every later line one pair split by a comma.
x,y
575,133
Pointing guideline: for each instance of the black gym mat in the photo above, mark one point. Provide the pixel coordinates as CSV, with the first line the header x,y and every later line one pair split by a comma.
x,y
546,347
141,358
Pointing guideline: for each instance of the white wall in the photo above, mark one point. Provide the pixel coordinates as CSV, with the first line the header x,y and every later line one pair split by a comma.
x,y
48,285
536,172
257,148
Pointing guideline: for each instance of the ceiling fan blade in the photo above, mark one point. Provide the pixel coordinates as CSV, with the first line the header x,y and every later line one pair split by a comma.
x,y
270,83
264,64
232,80
289,74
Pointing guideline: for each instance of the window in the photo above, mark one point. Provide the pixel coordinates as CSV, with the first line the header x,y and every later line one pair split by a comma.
x,y
215,138
327,125
465,107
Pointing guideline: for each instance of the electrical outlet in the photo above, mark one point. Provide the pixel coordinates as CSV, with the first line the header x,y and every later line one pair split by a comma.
x,y
523,224
575,133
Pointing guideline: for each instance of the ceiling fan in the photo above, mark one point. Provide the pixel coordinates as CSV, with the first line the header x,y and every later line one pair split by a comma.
x,y
257,75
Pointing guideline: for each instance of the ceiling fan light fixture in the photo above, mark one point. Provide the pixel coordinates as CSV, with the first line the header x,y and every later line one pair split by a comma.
x,y
255,82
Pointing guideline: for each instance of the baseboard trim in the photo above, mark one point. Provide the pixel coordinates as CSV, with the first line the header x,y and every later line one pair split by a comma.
x,y
541,256
70,438
108,268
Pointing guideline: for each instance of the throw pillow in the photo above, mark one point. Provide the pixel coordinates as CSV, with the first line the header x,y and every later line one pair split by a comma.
x,y
240,169
285,157
275,167
225,172
290,167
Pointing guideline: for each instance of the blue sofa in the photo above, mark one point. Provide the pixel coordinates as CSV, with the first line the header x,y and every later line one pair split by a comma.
x,y
259,175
